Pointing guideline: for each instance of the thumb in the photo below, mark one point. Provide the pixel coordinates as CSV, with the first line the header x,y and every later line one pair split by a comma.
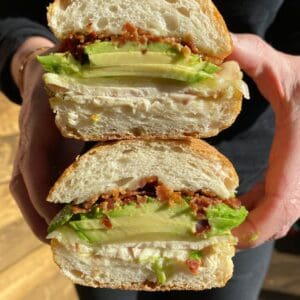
x,y
262,63
252,53
265,222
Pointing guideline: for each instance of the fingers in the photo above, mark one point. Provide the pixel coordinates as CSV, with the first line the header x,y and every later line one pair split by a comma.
x,y
37,224
250,52
266,66
251,199
267,221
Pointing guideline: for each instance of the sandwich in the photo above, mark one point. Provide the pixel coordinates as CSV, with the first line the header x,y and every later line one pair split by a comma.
x,y
150,215
141,69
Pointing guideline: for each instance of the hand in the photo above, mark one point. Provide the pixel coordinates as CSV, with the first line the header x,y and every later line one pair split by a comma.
x,y
42,153
274,205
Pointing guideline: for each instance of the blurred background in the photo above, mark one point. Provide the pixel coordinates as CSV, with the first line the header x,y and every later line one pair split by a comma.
x,y
27,271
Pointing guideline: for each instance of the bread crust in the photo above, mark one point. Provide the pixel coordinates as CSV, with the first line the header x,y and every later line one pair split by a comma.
x,y
198,147
222,28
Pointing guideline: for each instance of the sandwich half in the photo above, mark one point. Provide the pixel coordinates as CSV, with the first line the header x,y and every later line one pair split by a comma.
x,y
148,68
149,215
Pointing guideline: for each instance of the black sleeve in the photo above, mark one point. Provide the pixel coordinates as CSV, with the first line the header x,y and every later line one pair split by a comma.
x,y
13,32
19,20
284,33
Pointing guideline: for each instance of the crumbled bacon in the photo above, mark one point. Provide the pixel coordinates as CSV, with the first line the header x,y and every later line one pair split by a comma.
x,y
193,265
75,42
106,222
79,210
165,194
233,202
90,202
201,227
198,201
148,180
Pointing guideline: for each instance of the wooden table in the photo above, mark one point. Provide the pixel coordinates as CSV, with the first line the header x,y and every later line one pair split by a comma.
x,y
27,271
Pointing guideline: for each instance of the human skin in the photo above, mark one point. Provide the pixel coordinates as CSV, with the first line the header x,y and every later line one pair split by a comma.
x,y
42,153
274,205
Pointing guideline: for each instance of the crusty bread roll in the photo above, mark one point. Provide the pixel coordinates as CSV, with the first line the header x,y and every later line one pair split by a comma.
x,y
181,165
192,165
173,18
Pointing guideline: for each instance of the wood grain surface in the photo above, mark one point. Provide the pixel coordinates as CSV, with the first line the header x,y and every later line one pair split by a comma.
x,y
27,271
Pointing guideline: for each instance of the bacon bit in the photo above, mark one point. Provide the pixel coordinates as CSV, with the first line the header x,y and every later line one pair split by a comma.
x,y
79,210
233,202
115,194
106,222
186,51
176,197
75,42
130,29
147,180
207,193
111,204
193,265
104,206
152,187
188,41
163,193
90,202
140,199
202,226
187,193
199,204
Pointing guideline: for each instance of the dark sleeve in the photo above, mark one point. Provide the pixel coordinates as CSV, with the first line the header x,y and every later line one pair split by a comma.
x,y
13,32
284,33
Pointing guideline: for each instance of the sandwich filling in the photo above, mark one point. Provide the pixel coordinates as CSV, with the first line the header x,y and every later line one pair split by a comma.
x,y
135,54
153,213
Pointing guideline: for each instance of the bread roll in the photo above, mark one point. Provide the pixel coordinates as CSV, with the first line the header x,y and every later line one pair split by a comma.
x,y
123,263
192,165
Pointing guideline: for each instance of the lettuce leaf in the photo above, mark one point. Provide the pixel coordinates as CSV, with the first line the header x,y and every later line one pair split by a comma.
x,y
222,218
63,217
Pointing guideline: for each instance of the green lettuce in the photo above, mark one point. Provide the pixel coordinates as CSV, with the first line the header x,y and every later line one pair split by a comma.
x,y
195,254
222,218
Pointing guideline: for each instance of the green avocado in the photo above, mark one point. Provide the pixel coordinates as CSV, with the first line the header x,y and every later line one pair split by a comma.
x,y
149,221
109,47
108,60
60,63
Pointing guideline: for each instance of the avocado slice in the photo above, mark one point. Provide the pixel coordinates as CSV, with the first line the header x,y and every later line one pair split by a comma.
x,y
63,217
150,221
167,71
60,63
110,47
107,60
